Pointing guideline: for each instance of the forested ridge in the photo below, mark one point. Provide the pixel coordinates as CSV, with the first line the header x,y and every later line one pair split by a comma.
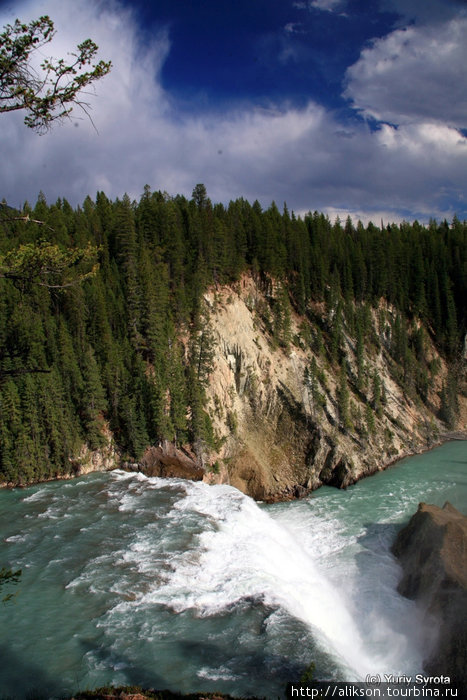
x,y
125,345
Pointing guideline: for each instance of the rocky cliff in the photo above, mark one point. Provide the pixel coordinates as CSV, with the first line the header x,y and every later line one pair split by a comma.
x,y
287,419
298,401
432,550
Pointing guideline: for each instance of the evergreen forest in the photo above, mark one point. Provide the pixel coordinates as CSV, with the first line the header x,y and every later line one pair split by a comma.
x,y
103,325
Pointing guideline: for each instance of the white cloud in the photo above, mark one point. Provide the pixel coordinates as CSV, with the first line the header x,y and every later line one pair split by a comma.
x,y
303,156
327,5
375,216
413,74
426,140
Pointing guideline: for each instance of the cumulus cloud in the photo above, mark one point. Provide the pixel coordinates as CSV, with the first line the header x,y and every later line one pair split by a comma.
x,y
413,74
305,156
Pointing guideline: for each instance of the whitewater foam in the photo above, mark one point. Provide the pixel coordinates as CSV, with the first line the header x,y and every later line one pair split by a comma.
x,y
196,588
242,553
37,496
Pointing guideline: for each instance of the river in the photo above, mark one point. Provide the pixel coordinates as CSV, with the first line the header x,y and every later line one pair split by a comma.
x,y
180,585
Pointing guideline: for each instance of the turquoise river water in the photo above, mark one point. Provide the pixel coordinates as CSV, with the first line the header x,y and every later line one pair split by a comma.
x,y
180,585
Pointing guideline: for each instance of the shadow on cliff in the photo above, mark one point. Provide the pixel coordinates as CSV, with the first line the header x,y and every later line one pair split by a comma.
x,y
22,680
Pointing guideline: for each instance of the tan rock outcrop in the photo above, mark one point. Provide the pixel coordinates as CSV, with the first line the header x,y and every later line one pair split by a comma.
x,y
276,443
102,459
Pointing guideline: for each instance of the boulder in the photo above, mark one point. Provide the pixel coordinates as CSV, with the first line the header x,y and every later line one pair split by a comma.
x,y
432,550
170,461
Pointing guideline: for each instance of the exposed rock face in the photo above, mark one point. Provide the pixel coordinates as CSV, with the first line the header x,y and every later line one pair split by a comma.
x,y
169,461
281,433
432,549
278,443
102,459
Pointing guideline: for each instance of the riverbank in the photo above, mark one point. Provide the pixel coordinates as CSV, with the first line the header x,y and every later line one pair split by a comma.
x,y
183,464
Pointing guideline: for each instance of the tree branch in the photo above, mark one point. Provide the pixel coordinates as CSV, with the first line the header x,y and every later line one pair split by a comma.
x,y
47,98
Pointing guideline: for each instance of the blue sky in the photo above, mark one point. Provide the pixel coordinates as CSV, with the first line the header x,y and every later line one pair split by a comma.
x,y
261,51
344,106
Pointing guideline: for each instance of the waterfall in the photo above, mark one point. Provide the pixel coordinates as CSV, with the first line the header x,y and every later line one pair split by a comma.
x,y
180,585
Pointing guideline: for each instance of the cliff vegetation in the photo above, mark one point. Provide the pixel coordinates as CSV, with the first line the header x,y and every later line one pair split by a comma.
x,y
272,351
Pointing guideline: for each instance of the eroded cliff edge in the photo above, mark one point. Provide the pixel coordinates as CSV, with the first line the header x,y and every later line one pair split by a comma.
x,y
432,550
295,401
314,404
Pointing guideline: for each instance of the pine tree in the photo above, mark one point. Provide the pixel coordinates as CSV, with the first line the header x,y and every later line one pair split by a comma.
x,y
282,316
10,422
127,247
361,379
178,398
376,401
94,401
202,347
111,347
311,382
370,419
343,397
159,423
449,408
337,333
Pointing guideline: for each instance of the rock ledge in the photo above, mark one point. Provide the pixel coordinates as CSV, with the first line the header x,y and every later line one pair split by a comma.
x,y
432,550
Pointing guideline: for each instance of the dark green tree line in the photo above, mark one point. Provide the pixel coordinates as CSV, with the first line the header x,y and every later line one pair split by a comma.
x,y
106,323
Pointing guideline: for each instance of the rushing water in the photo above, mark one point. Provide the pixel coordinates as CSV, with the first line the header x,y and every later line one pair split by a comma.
x,y
180,585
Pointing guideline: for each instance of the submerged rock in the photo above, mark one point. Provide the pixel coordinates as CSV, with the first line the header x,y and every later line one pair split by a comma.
x,y
432,550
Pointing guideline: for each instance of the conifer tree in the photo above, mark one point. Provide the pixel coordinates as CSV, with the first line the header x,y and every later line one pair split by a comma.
x,y
370,419
337,333
343,397
282,316
376,401
94,400
128,253
202,347
449,409
178,397
361,379
131,344
311,381
159,423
